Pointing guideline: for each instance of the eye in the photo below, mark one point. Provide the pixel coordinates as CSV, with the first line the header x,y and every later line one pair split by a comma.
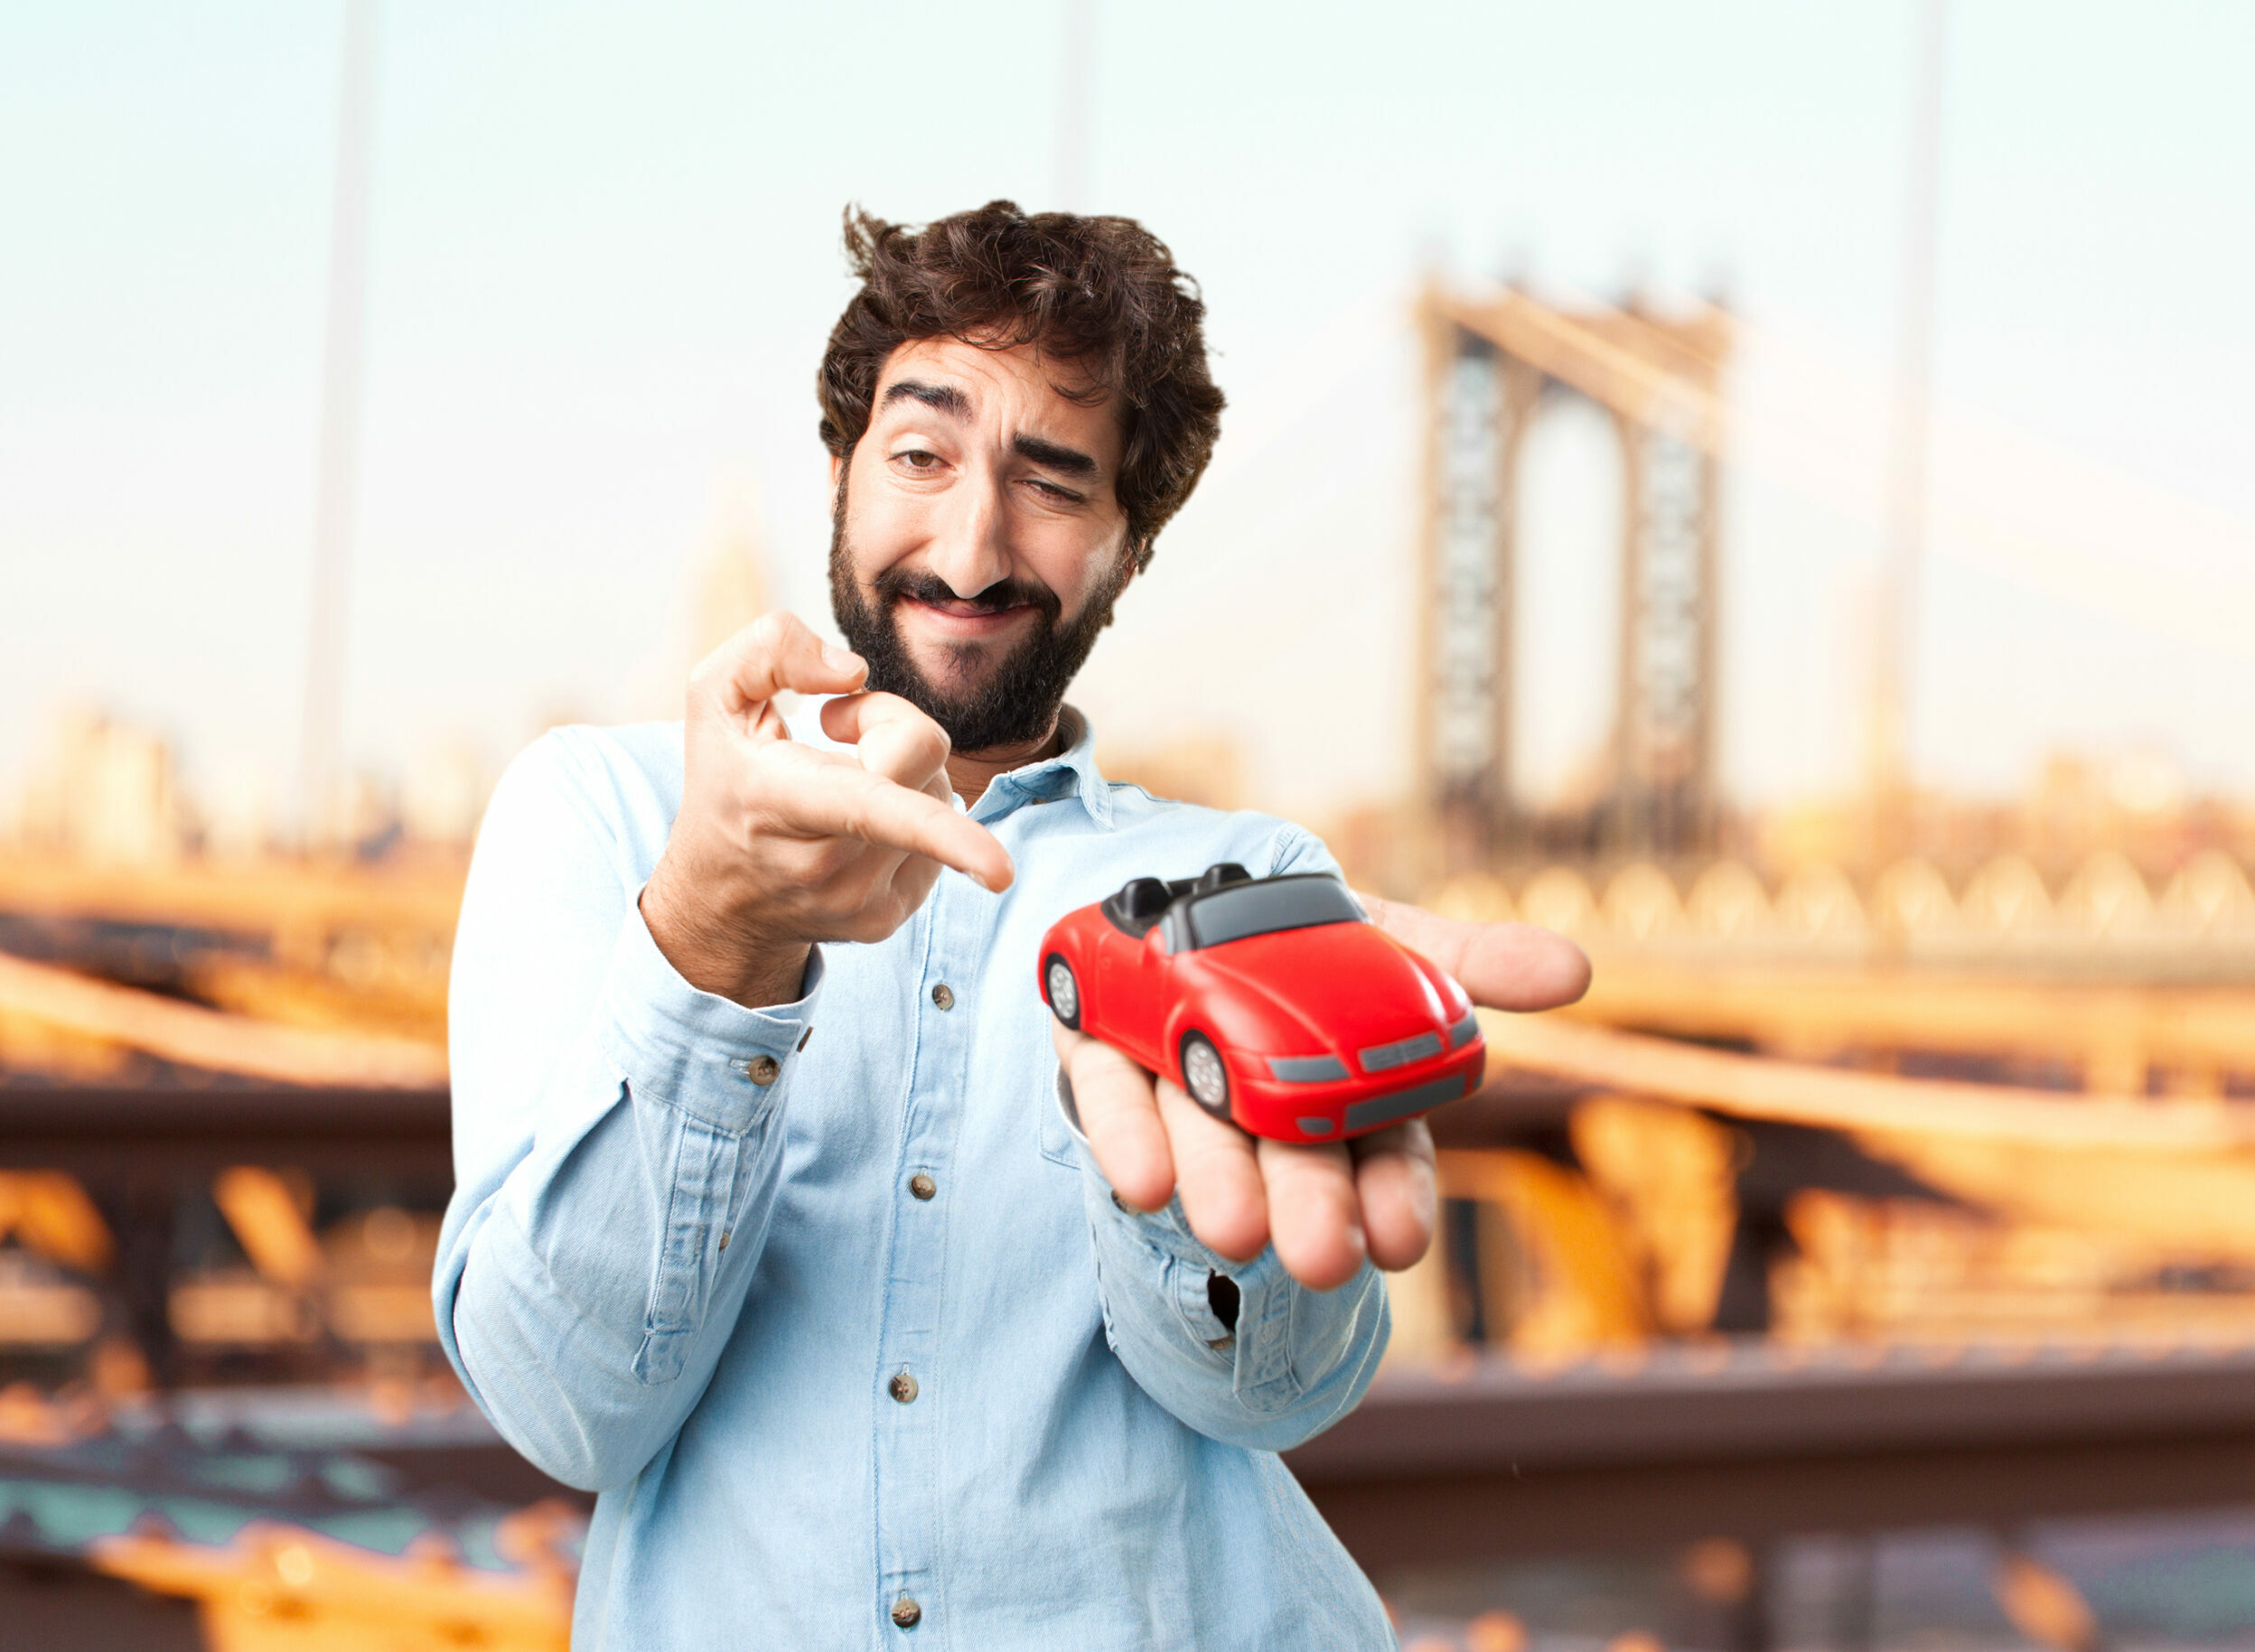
x,y
920,461
1050,491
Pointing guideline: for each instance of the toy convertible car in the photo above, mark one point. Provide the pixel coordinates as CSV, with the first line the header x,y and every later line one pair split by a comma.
x,y
1273,1002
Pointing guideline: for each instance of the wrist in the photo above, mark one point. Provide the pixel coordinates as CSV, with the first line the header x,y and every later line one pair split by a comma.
x,y
719,955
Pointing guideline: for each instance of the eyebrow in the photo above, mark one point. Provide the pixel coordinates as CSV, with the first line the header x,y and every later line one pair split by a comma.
x,y
945,397
1072,460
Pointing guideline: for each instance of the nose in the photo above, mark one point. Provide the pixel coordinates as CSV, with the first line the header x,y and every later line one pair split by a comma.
x,y
971,550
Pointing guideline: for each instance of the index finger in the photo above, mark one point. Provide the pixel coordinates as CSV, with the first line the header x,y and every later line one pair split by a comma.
x,y
833,797
1503,966
1119,1116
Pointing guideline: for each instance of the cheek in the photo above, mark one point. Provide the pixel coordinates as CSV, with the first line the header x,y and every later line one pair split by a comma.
x,y
1077,563
881,525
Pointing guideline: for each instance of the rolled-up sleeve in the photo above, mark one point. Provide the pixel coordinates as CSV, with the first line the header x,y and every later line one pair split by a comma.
x,y
618,1144
1240,1351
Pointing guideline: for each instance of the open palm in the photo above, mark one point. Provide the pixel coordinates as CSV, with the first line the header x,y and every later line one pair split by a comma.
x,y
1327,1206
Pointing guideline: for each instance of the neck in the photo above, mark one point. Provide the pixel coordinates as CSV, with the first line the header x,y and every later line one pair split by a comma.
x,y
970,773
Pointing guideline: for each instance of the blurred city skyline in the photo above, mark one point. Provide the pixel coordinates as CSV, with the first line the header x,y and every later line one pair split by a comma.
x,y
605,255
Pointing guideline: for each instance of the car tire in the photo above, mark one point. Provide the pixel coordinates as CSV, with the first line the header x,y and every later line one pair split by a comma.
x,y
1205,1078
1060,988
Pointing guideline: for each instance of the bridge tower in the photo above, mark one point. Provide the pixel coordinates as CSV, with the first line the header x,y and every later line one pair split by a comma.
x,y
1492,366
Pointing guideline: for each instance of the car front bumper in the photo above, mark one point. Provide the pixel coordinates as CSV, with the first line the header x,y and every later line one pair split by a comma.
x,y
1340,1109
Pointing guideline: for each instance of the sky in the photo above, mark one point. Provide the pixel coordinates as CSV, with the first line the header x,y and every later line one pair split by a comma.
x,y
605,254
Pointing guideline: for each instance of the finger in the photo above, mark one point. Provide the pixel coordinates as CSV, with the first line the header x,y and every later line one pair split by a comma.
x,y
1504,965
828,797
1121,1117
1313,1212
776,651
893,738
1395,1186
1223,1199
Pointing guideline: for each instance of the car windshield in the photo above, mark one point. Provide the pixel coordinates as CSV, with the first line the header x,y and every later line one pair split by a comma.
x,y
1262,908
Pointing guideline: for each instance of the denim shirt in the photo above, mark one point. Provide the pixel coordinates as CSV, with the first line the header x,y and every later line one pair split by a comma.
x,y
828,1300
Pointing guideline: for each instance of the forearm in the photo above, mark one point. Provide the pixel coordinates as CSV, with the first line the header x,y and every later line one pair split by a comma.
x,y
587,1283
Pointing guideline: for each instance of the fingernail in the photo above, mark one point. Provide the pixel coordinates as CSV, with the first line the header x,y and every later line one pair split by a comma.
x,y
839,659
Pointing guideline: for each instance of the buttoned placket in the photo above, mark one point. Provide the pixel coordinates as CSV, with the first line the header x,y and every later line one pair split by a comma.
x,y
958,923
909,1382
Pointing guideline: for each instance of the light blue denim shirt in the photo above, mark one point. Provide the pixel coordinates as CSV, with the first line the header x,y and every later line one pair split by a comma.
x,y
827,1300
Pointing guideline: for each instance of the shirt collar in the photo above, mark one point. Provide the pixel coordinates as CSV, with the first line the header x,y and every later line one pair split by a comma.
x,y
1073,772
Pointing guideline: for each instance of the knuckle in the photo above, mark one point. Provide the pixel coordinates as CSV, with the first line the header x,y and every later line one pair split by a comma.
x,y
829,860
873,923
855,818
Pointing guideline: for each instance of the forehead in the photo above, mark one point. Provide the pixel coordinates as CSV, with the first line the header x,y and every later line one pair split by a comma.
x,y
1016,389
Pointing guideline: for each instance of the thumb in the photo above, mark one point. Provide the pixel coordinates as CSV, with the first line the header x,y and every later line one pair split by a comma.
x,y
775,652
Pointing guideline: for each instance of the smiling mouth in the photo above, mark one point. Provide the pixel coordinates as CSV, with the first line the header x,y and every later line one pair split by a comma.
x,y
960,615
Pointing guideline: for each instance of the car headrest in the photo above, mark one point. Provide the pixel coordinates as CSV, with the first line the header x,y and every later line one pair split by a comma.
x,y
1144,899
1220,876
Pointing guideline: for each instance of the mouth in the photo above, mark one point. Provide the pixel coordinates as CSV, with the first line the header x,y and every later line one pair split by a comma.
x,y
959,620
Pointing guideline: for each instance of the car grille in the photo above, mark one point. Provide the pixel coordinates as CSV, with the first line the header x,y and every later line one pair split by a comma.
x,y
1417,1099
1379,1058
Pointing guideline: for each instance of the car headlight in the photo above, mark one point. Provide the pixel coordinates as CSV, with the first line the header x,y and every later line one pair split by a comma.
x,y
1307,1070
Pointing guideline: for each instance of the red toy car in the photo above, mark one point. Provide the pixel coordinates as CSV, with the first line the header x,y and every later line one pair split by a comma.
x,y
1275,1002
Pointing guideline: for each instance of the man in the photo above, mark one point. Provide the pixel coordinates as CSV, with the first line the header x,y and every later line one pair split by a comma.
x,y
770,1228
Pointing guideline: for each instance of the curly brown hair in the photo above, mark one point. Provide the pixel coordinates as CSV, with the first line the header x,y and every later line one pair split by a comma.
x,y
1101,294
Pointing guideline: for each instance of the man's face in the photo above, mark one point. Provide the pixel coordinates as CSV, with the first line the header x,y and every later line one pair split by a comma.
x,y
979,543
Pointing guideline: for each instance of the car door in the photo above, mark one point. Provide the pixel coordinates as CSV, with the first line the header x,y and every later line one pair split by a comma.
x,y
1130,975
1111,966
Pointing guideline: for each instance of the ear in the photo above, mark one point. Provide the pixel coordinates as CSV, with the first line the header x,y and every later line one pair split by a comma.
x,y
1129,570
837,469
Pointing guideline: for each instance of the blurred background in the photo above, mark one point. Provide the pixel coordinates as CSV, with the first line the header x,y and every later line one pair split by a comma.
x,y
1763,488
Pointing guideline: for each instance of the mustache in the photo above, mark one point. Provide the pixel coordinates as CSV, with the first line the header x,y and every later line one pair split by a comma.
x,y
922,585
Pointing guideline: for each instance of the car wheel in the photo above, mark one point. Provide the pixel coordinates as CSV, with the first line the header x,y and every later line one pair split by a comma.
x,y
1204,1076
1061,990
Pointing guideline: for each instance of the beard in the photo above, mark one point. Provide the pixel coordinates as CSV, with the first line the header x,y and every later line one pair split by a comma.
x,y
991,694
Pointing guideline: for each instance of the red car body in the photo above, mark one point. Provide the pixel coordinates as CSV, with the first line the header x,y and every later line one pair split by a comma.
x,y
1320,1025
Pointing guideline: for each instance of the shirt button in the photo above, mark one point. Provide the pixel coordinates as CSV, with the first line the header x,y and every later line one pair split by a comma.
x,y
903,1386
943,996
922,1186
906,1613
764,1071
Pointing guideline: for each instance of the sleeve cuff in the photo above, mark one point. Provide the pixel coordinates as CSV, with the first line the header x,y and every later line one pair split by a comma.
x,y
1261,1347
711,1056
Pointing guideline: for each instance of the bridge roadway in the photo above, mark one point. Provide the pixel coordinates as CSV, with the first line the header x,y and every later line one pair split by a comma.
x,y
1750,1441
1484,1458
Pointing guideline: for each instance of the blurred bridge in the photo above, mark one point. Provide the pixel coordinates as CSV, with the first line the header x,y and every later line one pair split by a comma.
x,y
1492,364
